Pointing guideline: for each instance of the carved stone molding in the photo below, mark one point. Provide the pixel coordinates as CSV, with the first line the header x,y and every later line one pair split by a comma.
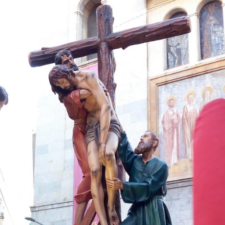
x,y
51,206
156,3
194,14
179,183
103,2
79,13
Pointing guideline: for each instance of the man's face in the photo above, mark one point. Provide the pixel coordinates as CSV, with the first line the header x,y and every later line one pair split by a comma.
x,y
68,61
145,143
207,93
2,103
65,84
190,98
171,103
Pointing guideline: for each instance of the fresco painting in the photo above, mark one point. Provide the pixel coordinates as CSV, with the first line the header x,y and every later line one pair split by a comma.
x,y
179,105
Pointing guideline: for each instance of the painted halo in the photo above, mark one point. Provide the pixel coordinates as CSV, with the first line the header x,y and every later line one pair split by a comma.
x,y
188,93
171,97
206,88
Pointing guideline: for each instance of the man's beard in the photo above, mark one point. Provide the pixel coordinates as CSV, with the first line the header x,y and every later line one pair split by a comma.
x,y
143,147
74,67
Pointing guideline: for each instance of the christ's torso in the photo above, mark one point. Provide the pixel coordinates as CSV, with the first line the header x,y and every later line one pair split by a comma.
x,y
91,104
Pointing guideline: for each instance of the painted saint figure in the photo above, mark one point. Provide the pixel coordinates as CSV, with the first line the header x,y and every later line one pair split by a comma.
x,y
147,183
102,133
206,96
3,97
177,48
218,39
212,31
170,122
189,116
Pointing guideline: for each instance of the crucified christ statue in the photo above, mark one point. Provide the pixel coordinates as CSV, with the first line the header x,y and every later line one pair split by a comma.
x,y
102,133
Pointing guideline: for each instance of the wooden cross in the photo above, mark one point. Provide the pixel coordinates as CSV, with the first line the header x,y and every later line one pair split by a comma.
x,y
103,44
106,41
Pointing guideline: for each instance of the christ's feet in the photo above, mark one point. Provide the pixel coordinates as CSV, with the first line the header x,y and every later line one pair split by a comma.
x,y
113,217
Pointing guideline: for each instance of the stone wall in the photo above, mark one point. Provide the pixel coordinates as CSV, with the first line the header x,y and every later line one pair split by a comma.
x,y
179,202
5,216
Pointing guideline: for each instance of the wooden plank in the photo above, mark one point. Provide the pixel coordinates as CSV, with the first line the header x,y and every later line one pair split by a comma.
x,y
151,32
123,39
105,58
78,49
106,72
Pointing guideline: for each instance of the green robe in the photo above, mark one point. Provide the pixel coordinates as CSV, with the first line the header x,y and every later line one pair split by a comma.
x,y
145,189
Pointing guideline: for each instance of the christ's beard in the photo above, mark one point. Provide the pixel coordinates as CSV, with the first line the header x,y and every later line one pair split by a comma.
x,y
72,87
142,148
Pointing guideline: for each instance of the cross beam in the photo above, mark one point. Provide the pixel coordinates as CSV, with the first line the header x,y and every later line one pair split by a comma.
x,y
106,41
123,39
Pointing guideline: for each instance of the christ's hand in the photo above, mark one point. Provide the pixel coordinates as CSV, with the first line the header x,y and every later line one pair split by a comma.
x,y
101,154
114,184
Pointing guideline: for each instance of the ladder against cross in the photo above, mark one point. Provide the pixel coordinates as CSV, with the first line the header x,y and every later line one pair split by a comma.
x,y
104,43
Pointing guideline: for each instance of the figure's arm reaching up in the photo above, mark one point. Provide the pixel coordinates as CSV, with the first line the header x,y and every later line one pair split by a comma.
x,y
126,152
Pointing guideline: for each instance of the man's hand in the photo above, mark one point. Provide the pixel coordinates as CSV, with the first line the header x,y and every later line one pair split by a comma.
x,y
114,184
101,154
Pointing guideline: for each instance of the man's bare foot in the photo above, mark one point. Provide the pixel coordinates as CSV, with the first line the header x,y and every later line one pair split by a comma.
x,y
113,217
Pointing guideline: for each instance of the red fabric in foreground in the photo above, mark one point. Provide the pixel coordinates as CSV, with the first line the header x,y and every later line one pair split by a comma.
x,y
209,165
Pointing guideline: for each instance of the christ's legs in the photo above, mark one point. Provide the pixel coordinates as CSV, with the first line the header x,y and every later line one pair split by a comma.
x,y
96,186
111,172
80,210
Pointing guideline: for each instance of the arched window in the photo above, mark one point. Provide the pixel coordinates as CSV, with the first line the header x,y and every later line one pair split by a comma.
x,y
177,48
86,23
211,30
92,28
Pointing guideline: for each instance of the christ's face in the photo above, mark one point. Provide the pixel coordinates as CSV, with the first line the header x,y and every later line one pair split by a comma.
x,y
65,84
145,143
171,103
68,61
2,103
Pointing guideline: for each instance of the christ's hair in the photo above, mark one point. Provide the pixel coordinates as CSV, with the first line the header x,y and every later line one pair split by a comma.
x,y
3,95
59,72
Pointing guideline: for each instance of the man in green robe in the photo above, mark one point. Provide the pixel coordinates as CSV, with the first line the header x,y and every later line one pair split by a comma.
x,y
147,184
